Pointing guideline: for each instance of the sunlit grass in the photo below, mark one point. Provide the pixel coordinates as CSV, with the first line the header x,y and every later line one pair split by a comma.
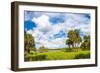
x,y
59,55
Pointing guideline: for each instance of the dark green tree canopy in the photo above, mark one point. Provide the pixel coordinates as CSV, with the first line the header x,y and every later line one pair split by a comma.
x,y
86,43
29,42
74,38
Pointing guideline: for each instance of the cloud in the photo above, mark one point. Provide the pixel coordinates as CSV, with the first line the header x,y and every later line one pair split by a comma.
x,y
57,18
29,15
56,43
52,33
43,23
77,21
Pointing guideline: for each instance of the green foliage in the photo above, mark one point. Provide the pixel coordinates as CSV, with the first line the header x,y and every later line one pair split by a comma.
x,y
76,49
74,38
29,43
38,57
32,52
86,43
69,43
42,49
82,56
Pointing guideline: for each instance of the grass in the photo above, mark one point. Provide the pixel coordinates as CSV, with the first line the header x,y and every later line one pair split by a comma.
x,y
64,55
59,55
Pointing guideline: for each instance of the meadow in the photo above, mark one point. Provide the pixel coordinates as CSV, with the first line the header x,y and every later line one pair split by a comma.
x,y
57,55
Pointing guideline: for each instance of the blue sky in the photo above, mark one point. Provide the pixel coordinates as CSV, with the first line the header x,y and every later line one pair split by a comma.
x,y
50,28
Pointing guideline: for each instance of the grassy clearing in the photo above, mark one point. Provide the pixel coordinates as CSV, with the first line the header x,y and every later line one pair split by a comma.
x,y
58,56
65,55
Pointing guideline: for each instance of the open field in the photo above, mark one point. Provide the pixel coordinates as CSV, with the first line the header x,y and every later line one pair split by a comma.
x,y
59,55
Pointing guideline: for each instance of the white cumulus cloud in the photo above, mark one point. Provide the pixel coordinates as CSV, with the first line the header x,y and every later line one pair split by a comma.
x,y
45,29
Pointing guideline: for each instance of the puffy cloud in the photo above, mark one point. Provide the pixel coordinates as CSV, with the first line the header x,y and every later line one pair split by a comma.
x,y
56,43
49,34
43,23
29,15
77,21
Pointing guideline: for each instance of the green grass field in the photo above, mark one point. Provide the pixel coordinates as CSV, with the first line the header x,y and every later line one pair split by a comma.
x,y
59,55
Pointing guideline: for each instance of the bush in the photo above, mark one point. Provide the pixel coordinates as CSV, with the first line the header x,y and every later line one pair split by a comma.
x,y
76,49
33,52
39,57
68,50
35,57
82,56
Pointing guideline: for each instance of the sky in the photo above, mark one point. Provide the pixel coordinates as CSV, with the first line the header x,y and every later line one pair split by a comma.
x,y
50,29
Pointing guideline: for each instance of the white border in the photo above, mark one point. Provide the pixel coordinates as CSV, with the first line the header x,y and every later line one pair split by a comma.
x,y
23,64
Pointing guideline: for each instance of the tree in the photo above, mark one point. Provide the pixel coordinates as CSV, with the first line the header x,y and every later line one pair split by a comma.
x,y
78,38
86,43
71,36
74,38
29,42
69,43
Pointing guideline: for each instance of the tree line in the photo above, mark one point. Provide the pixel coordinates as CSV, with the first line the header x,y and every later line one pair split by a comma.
x,y
74,41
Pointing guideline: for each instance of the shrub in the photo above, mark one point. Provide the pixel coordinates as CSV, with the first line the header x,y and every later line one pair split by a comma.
x,y
35,57
76,49
39,57
68,50
82,56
